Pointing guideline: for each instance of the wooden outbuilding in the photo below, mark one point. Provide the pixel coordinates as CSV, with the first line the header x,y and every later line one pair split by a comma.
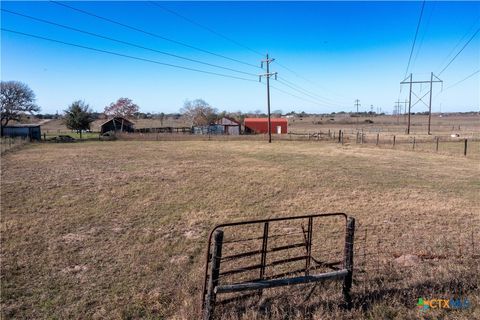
x,y
230,126
117,124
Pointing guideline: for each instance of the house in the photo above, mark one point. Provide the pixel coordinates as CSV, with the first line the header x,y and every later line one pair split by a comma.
x,y
26,131
260,125
117,124
230,126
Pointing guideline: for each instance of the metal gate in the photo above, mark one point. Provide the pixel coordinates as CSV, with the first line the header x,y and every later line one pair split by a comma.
x,y
269,253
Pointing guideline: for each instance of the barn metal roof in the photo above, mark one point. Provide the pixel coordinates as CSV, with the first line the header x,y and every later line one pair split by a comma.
x,y
265,119
23,125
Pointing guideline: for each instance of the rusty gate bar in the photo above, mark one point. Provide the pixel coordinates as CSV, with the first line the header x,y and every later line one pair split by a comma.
x,y
263,284
209,257
309,246
264,250
214,273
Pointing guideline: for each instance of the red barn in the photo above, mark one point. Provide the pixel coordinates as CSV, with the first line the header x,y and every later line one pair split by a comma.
x,y
260,125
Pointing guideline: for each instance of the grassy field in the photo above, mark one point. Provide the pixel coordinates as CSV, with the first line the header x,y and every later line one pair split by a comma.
x,y
118,229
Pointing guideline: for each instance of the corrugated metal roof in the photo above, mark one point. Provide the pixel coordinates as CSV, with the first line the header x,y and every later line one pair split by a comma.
x,y
23,125
265,120
125,120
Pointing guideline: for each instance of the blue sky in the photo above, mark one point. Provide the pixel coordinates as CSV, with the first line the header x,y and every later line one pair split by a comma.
x,y
339,52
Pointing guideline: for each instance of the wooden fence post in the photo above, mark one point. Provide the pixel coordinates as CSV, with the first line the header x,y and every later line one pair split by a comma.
x,y
394,140
436,148
413,145
213,275
339,136
465,149
348,261
378,136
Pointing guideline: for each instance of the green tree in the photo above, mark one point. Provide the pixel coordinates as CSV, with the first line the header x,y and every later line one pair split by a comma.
x,y
78,116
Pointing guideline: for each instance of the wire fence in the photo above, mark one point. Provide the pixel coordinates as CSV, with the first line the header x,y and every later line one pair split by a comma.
x,y
11,143
467,145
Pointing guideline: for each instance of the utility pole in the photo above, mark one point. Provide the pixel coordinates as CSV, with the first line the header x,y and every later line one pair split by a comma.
x,y
357,104
409,104
268,75
430,103
411,82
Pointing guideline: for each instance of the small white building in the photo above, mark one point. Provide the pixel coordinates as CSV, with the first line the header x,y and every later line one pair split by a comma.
x,y
230,126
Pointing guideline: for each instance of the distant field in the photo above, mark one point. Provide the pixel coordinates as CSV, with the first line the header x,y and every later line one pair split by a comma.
x,y
118,229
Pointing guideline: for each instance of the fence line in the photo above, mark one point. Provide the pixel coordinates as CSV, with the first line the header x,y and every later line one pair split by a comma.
x,y
9,143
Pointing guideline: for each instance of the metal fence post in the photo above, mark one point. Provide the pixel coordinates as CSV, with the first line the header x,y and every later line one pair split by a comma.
x,y
465,149
348,261
213,275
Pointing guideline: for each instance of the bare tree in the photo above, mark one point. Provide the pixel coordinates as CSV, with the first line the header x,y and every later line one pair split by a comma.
x,y
198,112
16,99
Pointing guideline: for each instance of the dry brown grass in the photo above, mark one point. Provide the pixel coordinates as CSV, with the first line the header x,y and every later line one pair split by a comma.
x,y
118,229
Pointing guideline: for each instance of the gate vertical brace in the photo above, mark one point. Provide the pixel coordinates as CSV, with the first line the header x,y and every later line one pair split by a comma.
x,y
264,250
348,262
309,246
214,273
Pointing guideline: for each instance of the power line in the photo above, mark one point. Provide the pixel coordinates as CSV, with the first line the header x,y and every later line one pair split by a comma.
x,y
300,91
125,42
461,40
205,27
415,38
304,78
423,36
125,55
231,40
458,53
294,95
464,79
147,60
152,34
319,97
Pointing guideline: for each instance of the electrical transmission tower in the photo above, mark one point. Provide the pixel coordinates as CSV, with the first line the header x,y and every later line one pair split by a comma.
x,y
420,99
267,75
398,108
